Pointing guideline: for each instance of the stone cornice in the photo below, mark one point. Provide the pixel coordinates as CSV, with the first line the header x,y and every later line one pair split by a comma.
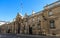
x,y
52,5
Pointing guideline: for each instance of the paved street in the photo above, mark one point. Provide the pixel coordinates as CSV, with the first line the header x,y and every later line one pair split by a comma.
x,y
24,36
8,36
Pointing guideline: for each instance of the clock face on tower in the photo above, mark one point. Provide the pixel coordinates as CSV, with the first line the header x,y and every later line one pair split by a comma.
x,y
50,13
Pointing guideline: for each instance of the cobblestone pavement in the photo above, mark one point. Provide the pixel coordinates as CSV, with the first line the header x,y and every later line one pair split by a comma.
x,y
25,36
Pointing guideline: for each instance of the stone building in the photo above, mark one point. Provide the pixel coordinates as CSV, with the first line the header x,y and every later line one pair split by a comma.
x,y
45,22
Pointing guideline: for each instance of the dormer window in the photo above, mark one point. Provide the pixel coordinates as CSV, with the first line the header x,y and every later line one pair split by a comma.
x,y
50,13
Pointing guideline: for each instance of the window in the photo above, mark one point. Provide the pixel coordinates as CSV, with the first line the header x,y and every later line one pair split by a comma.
x,y
53,33
50,13
33,25
39,25
52,24
44,18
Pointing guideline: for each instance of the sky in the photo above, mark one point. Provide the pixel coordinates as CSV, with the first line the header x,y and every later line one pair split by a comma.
x,y
10,8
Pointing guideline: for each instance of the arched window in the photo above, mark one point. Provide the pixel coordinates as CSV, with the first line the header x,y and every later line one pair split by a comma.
x,y
52,24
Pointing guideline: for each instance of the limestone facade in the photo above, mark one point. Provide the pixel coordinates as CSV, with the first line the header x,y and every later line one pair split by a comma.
x,y
45,22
